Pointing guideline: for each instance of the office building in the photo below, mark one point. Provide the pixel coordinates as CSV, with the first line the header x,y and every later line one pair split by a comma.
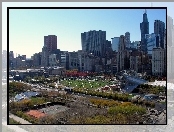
x,y
50,42
159,28
53,60
122,56
45,57
158,62
37,59
94,42
153,41
115,43
64,60
127,39
144,28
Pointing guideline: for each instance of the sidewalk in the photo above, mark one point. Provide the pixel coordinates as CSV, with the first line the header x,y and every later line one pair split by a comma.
x,y
13,127
18,119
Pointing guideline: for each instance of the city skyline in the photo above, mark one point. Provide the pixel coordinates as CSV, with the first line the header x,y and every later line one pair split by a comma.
x,y
27,36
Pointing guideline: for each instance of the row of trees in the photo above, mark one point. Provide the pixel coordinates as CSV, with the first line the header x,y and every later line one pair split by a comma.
x,y
17,87
150,89
115,96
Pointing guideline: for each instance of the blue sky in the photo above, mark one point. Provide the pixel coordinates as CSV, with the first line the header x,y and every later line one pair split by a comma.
x,y
29,26
20,43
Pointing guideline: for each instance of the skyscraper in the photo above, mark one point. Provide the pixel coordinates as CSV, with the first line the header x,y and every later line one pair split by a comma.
x,y
159,28
45,57
144,27
158,61
115,42
153,41
122,54
94,42
127,39
50,42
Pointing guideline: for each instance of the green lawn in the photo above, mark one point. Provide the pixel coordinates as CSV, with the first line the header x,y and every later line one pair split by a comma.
x,y
37,100
85,83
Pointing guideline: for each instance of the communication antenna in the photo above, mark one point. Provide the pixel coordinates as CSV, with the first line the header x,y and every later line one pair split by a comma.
x,y
145,11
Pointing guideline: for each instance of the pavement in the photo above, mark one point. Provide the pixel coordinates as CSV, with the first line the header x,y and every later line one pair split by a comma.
x,y
13,127
18,119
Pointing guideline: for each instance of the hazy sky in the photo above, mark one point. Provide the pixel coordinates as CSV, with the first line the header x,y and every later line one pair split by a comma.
x,y
28,27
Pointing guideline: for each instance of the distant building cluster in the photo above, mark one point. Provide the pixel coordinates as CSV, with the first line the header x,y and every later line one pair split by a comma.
x,y
101,55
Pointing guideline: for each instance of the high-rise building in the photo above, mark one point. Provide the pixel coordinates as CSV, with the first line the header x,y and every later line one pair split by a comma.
x,y
94,42
122,53
115,43
165,39
45,57
158,61
64,60
127,39
153,41
159,28
11,59
144,27
50,42
37,59
73,60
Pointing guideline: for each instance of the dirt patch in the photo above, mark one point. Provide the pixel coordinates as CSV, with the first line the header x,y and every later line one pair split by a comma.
x,y
36,113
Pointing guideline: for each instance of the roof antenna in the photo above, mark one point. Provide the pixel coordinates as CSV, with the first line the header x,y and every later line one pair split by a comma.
x,y
145,11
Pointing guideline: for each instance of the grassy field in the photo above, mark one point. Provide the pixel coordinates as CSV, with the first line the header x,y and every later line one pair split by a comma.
x,y
85,83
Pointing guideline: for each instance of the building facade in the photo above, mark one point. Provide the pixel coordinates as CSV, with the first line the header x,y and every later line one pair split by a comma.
x,y
144,28
122,56
64,60
153,41
115,43
127,39
159,28
50,42
73,60
158,62
94,42
45,57
53,60
37,59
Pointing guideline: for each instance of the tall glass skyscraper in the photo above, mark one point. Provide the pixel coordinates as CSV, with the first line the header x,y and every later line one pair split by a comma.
x,y
115,43
144,27
153,41
159,28
94,42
